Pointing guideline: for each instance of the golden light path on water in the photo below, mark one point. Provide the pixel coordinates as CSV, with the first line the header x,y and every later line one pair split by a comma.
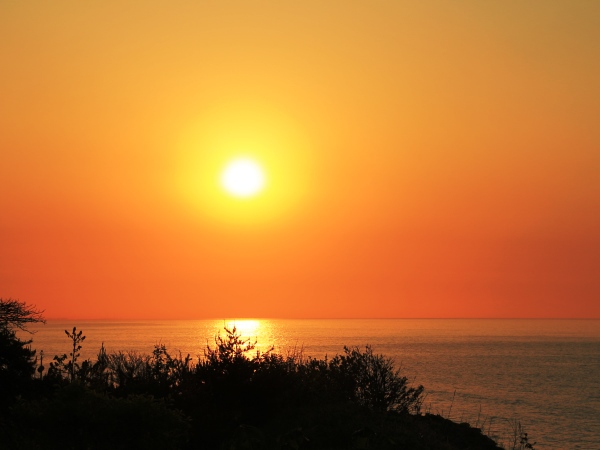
x,y
186,336
246,327
315,337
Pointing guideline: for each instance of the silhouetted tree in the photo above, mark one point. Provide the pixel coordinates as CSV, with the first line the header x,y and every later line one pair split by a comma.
x,y
15,314
17,359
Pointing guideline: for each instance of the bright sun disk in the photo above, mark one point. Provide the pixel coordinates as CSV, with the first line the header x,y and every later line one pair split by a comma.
x,y
243,178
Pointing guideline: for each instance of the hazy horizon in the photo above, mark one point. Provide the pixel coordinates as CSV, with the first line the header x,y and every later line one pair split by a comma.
x,y
313,318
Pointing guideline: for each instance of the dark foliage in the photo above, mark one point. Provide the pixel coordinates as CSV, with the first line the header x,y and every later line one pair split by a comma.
x,y
75,417
17,366
234,397
17,359
15,314
370,380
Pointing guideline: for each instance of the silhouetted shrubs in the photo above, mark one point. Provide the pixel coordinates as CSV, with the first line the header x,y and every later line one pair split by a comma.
x,y
17,359
371,380
17,366
233,397
67,365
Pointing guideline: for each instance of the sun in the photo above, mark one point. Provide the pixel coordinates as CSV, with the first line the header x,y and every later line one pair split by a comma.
x,y
243,178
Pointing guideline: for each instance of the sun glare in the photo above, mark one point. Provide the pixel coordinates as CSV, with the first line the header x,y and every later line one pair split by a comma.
x,y
243,178
246,327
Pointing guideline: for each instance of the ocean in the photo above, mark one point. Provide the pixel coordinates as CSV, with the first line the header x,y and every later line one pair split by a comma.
x,y
491,373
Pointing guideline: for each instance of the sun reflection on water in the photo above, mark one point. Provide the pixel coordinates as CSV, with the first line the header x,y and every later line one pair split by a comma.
x,y
263,332
246,327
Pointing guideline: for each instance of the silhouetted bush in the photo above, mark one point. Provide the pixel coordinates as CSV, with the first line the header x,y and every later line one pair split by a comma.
x,y
17,366
234,397
17,359
371,380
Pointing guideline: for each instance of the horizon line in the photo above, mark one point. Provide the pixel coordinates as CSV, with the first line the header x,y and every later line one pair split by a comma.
x,y
322,318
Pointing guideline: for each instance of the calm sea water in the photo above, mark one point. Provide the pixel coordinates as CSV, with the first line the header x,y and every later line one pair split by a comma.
x,y
544,373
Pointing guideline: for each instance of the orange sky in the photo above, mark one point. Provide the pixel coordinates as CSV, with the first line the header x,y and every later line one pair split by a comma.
x,y
423,159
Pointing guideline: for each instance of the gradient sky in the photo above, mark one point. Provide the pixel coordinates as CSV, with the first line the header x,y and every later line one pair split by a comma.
x,y
423,159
